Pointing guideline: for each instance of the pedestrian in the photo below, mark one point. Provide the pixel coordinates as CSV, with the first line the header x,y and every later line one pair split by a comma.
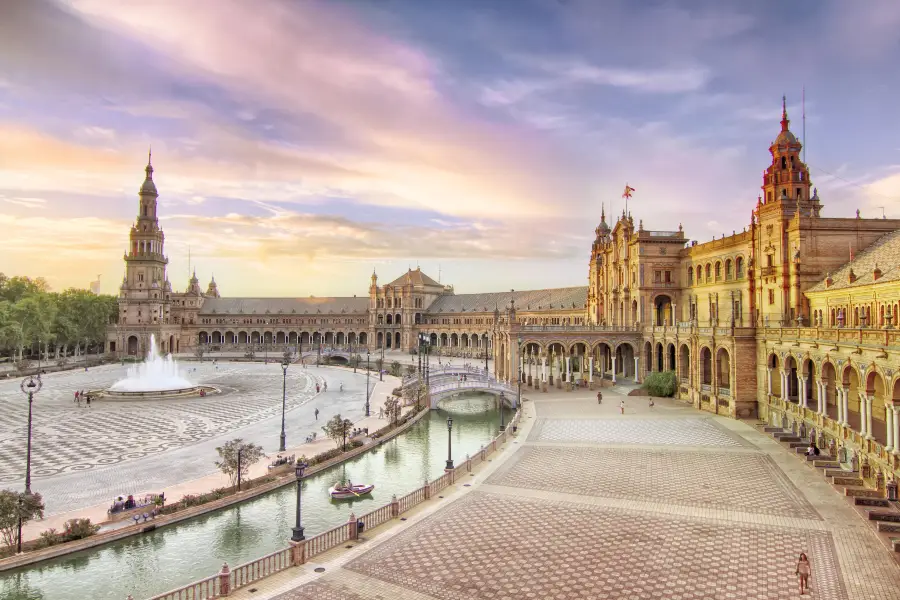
x,y
622,406
88,399
317,414
317,388
651,403
802,573
76,396
599,397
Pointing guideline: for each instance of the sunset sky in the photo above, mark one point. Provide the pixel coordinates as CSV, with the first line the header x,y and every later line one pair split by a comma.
x,y
300,145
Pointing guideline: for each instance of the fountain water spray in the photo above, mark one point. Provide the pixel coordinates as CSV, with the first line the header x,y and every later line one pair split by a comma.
x,y
156,374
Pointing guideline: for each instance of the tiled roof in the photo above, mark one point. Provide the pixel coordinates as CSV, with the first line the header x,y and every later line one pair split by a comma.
x,y
299,306
531,300
417,278
884,252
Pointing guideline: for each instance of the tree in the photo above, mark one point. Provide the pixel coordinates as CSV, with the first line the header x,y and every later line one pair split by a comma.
x,y
338,429
661,384
228,453
410,369
395,369
14,505
392,409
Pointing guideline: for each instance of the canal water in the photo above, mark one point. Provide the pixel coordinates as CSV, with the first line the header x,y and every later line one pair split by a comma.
x,y
157,562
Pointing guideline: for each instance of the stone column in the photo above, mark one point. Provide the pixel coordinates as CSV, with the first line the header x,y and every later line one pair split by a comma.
x,y
889,427
868,421
637,372
568,368
845,407
769,381
613,368
896,411
801,382
591,369
820,385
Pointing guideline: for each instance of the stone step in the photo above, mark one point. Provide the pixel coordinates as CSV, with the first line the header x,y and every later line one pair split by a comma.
x,y
840,473
799,446
862,492
826,464
880,515
768,429
895,543
871,502
886,527
848,481
787,437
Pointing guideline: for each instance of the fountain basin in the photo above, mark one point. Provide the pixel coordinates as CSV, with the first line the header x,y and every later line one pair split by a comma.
x,y
111,394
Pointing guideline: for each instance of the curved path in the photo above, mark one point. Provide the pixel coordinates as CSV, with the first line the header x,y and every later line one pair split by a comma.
x,y
664,502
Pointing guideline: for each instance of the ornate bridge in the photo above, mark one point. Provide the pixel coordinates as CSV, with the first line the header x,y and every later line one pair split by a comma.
x,y
506,392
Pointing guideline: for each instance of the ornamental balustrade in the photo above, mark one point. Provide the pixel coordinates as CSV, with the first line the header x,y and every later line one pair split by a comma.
x,y
229,580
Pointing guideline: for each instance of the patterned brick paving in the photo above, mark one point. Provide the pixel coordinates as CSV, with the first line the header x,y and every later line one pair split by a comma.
x,y
694,478
666,432
321,590
486,546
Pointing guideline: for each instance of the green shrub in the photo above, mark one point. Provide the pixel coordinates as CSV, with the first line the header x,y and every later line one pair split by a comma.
x,y
47,538
662,384
77,529
356,443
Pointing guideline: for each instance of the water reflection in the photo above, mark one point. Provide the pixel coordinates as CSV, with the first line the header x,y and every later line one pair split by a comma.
x,y
170,557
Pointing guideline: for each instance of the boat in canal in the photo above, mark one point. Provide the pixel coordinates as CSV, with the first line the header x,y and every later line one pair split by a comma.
x,y
340,491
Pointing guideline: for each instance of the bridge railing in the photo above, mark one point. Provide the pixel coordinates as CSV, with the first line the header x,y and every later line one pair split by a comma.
x,y
445,370
437,390
229,580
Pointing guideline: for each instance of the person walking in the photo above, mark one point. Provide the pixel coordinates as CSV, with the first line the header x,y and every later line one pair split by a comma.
x,y
317,414
802,572
317,388
622,406
599,397
88,400
651,403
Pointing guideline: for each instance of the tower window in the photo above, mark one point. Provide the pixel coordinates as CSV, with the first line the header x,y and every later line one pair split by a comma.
x,y
783,162
799,194
771,296
145,210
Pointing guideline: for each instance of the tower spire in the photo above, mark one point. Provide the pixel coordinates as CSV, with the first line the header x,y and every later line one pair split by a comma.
x,y
785,122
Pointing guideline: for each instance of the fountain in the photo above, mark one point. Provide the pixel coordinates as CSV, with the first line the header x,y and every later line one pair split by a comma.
x,y
156,376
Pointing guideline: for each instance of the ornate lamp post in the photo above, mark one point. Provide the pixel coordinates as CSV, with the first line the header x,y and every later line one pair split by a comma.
x,y
367,382
449,466
298,528
502,400
284,368
29,386
383,342
521,376
486,371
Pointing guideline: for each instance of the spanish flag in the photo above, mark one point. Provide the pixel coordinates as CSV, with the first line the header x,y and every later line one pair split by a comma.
x,y
628,190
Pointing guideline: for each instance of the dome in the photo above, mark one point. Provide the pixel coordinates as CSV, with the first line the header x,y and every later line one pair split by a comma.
x,y
786,138
148,187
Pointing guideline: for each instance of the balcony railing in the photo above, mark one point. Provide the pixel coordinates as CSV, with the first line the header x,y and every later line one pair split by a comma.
x,y
580,328
724,391
768,271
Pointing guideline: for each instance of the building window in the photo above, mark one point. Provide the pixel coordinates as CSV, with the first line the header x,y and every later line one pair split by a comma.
x,y
771,296
718,271
657,276
668,276
690,275
739,267
728,274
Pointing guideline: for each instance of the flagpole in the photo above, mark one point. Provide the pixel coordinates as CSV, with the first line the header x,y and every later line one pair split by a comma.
x,y
803,104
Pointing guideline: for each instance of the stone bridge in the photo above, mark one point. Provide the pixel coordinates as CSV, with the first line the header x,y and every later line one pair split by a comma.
x,y
451,387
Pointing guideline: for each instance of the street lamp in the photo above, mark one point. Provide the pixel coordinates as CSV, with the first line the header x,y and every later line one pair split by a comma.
x,y
367,382
383,341
298,528
284,368
502,400
29,386
449,466
521,375
486,371
319,349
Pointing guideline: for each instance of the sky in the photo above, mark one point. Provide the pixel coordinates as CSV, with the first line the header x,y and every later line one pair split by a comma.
x,y
299,146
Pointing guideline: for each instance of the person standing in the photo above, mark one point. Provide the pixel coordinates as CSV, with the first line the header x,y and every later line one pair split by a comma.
x,y
317,414
622,406
88,400
651,403
599,397
802,572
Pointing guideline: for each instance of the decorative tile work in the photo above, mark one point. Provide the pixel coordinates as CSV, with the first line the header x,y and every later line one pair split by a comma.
x,y
487,546
746,482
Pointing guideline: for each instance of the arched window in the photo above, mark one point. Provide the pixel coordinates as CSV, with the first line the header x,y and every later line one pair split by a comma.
x,y
739,267
699,274
718,271
728,273
690,275
708,272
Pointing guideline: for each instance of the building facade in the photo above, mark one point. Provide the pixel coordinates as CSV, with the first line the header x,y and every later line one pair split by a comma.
x,y
775,321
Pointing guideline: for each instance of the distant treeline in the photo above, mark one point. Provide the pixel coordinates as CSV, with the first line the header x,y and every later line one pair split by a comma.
x,y
34,319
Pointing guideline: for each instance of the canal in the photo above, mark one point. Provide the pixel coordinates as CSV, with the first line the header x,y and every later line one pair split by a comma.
x,y
173,556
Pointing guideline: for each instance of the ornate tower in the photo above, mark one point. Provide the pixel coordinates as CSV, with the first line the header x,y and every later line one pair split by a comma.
x,y
786,180
596,287
145,294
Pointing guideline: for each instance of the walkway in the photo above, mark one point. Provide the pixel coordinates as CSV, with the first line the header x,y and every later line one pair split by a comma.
x,y
662,502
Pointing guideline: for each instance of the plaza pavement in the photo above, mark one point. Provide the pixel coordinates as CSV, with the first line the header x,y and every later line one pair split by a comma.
x,y
82,458
666,503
